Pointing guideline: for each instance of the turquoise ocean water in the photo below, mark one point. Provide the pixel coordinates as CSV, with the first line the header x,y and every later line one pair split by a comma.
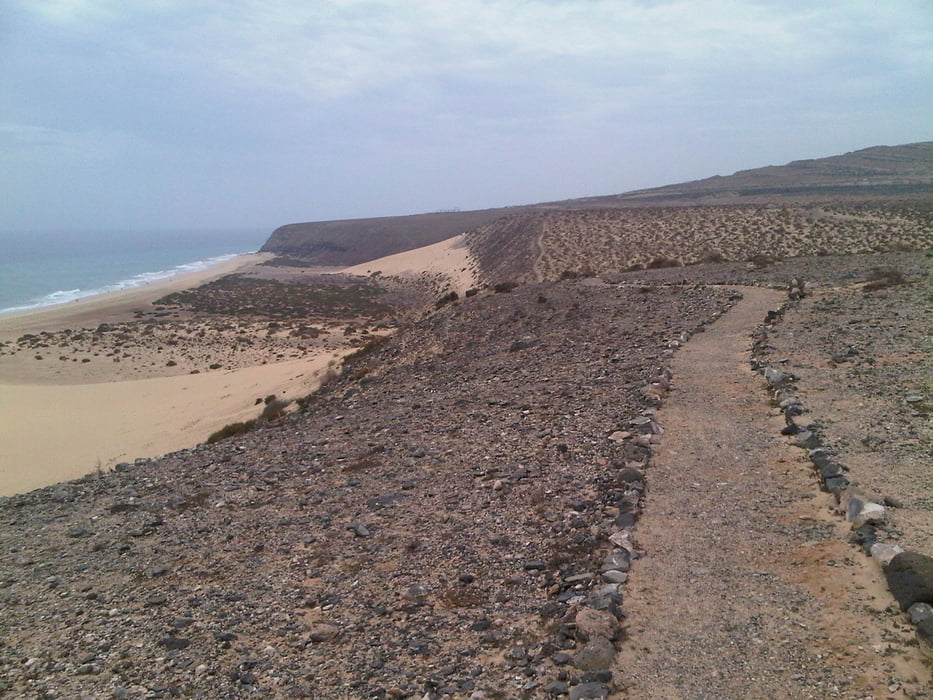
x,y
42,269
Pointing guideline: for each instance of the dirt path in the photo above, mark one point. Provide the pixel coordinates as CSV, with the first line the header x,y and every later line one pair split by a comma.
x,y
747,587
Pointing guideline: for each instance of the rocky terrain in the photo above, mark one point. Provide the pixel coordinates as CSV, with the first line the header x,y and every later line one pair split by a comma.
x,y
430,523
533,489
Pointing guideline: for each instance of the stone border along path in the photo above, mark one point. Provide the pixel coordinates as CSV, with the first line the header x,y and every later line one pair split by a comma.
x,y
909,574
732,596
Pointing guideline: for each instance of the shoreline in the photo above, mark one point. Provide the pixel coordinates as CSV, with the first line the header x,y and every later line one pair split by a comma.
x,y
58,424
113,306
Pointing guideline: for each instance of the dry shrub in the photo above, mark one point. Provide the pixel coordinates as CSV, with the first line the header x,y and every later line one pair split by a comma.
x,y
883,277
273,410
713,256
760,260
662,261
231,430
373,344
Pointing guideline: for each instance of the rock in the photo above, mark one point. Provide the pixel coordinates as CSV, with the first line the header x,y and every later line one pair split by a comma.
x,y
589,691
617,560
910,578
892,502
925,635
869,513
323,632
774,377
614,576
596,655
416,593
619,436
174,643
807,439
630,475
556,688
561,658
884,552
828,470
358,529
535,565
592,624
623,540
860,509
646,425
919,611
836,484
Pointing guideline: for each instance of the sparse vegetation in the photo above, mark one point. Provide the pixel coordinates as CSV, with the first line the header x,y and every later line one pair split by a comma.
x,y
662,262
503,287
231,430
883,277
446,299
762,260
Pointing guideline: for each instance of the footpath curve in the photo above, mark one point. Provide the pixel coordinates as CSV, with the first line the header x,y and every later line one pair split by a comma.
x,y
746,586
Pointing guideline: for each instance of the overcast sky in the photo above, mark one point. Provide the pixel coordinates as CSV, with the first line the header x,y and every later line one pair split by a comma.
x,y
254,113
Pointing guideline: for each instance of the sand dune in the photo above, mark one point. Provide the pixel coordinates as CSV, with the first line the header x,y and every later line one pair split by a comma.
x,y
53,428
450,259
52,433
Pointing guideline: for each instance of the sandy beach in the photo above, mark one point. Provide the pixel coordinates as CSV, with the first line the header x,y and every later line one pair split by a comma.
x,y
61,418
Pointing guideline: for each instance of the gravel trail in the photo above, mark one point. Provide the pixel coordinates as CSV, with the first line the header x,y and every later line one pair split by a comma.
x,y
747,587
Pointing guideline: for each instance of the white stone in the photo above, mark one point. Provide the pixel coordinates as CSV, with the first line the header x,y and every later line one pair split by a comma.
x,y
884,552
869,513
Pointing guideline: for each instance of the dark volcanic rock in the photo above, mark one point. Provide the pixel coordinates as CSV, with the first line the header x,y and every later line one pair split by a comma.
x,y
910,578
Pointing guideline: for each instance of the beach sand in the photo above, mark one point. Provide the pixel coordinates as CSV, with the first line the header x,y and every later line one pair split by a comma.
x,y
60,420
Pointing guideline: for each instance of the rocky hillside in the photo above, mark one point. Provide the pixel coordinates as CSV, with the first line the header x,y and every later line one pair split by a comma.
x,y
550,245
878,172
875,174
429,524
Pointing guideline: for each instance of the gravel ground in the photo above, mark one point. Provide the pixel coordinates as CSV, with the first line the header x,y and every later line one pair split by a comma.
x,y
748,587
430,524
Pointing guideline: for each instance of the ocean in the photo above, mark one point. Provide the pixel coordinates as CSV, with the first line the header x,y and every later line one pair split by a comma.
x,y
43,269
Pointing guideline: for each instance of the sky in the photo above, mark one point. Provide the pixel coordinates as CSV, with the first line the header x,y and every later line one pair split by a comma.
x,y
178,114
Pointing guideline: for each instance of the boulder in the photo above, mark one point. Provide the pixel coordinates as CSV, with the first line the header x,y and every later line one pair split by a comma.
x,y
910,578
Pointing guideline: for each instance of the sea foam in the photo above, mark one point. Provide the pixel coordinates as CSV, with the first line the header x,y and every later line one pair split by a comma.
x,y
64,296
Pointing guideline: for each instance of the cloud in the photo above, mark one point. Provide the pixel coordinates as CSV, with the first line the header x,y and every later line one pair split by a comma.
x,y
338,49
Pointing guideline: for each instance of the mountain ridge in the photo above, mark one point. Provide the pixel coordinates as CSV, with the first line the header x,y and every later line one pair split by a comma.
x,y
870,174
